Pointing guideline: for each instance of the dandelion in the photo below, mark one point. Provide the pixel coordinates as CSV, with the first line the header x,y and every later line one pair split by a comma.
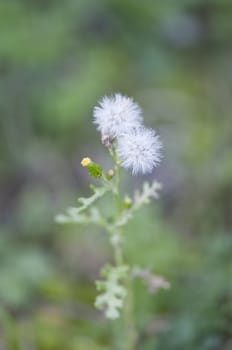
x,y
131,145
139,150
116,114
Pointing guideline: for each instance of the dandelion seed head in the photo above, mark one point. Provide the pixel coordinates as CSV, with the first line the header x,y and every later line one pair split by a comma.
x,y
139,150
116,114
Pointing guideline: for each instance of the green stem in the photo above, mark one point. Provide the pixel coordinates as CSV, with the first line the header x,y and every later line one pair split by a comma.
x,y
118,247
129,328
116,189
118,254
117,192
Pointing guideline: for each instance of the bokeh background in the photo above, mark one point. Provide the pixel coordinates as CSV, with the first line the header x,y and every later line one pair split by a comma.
x,y
57,58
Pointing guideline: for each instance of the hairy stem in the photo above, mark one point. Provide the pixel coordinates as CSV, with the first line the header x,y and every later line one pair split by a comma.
x,y
118,234
129,328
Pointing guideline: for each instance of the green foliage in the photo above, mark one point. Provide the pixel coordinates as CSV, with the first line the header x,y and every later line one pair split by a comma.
x,y
22,271
56,59
204,310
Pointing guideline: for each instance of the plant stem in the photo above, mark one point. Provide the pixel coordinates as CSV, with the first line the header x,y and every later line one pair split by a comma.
x,y
129,328
117,181
118,234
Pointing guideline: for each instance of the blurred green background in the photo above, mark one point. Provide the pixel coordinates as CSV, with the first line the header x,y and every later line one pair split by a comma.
x,y
57,58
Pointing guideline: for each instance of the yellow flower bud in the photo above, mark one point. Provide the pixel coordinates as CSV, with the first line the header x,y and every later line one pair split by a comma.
x,y
86,162
110,174
127,202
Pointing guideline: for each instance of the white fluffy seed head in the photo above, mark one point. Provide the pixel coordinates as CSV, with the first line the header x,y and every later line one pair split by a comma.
x,y
116,115
139,150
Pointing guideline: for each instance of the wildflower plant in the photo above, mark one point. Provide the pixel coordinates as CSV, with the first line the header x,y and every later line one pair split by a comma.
x,y
137,148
